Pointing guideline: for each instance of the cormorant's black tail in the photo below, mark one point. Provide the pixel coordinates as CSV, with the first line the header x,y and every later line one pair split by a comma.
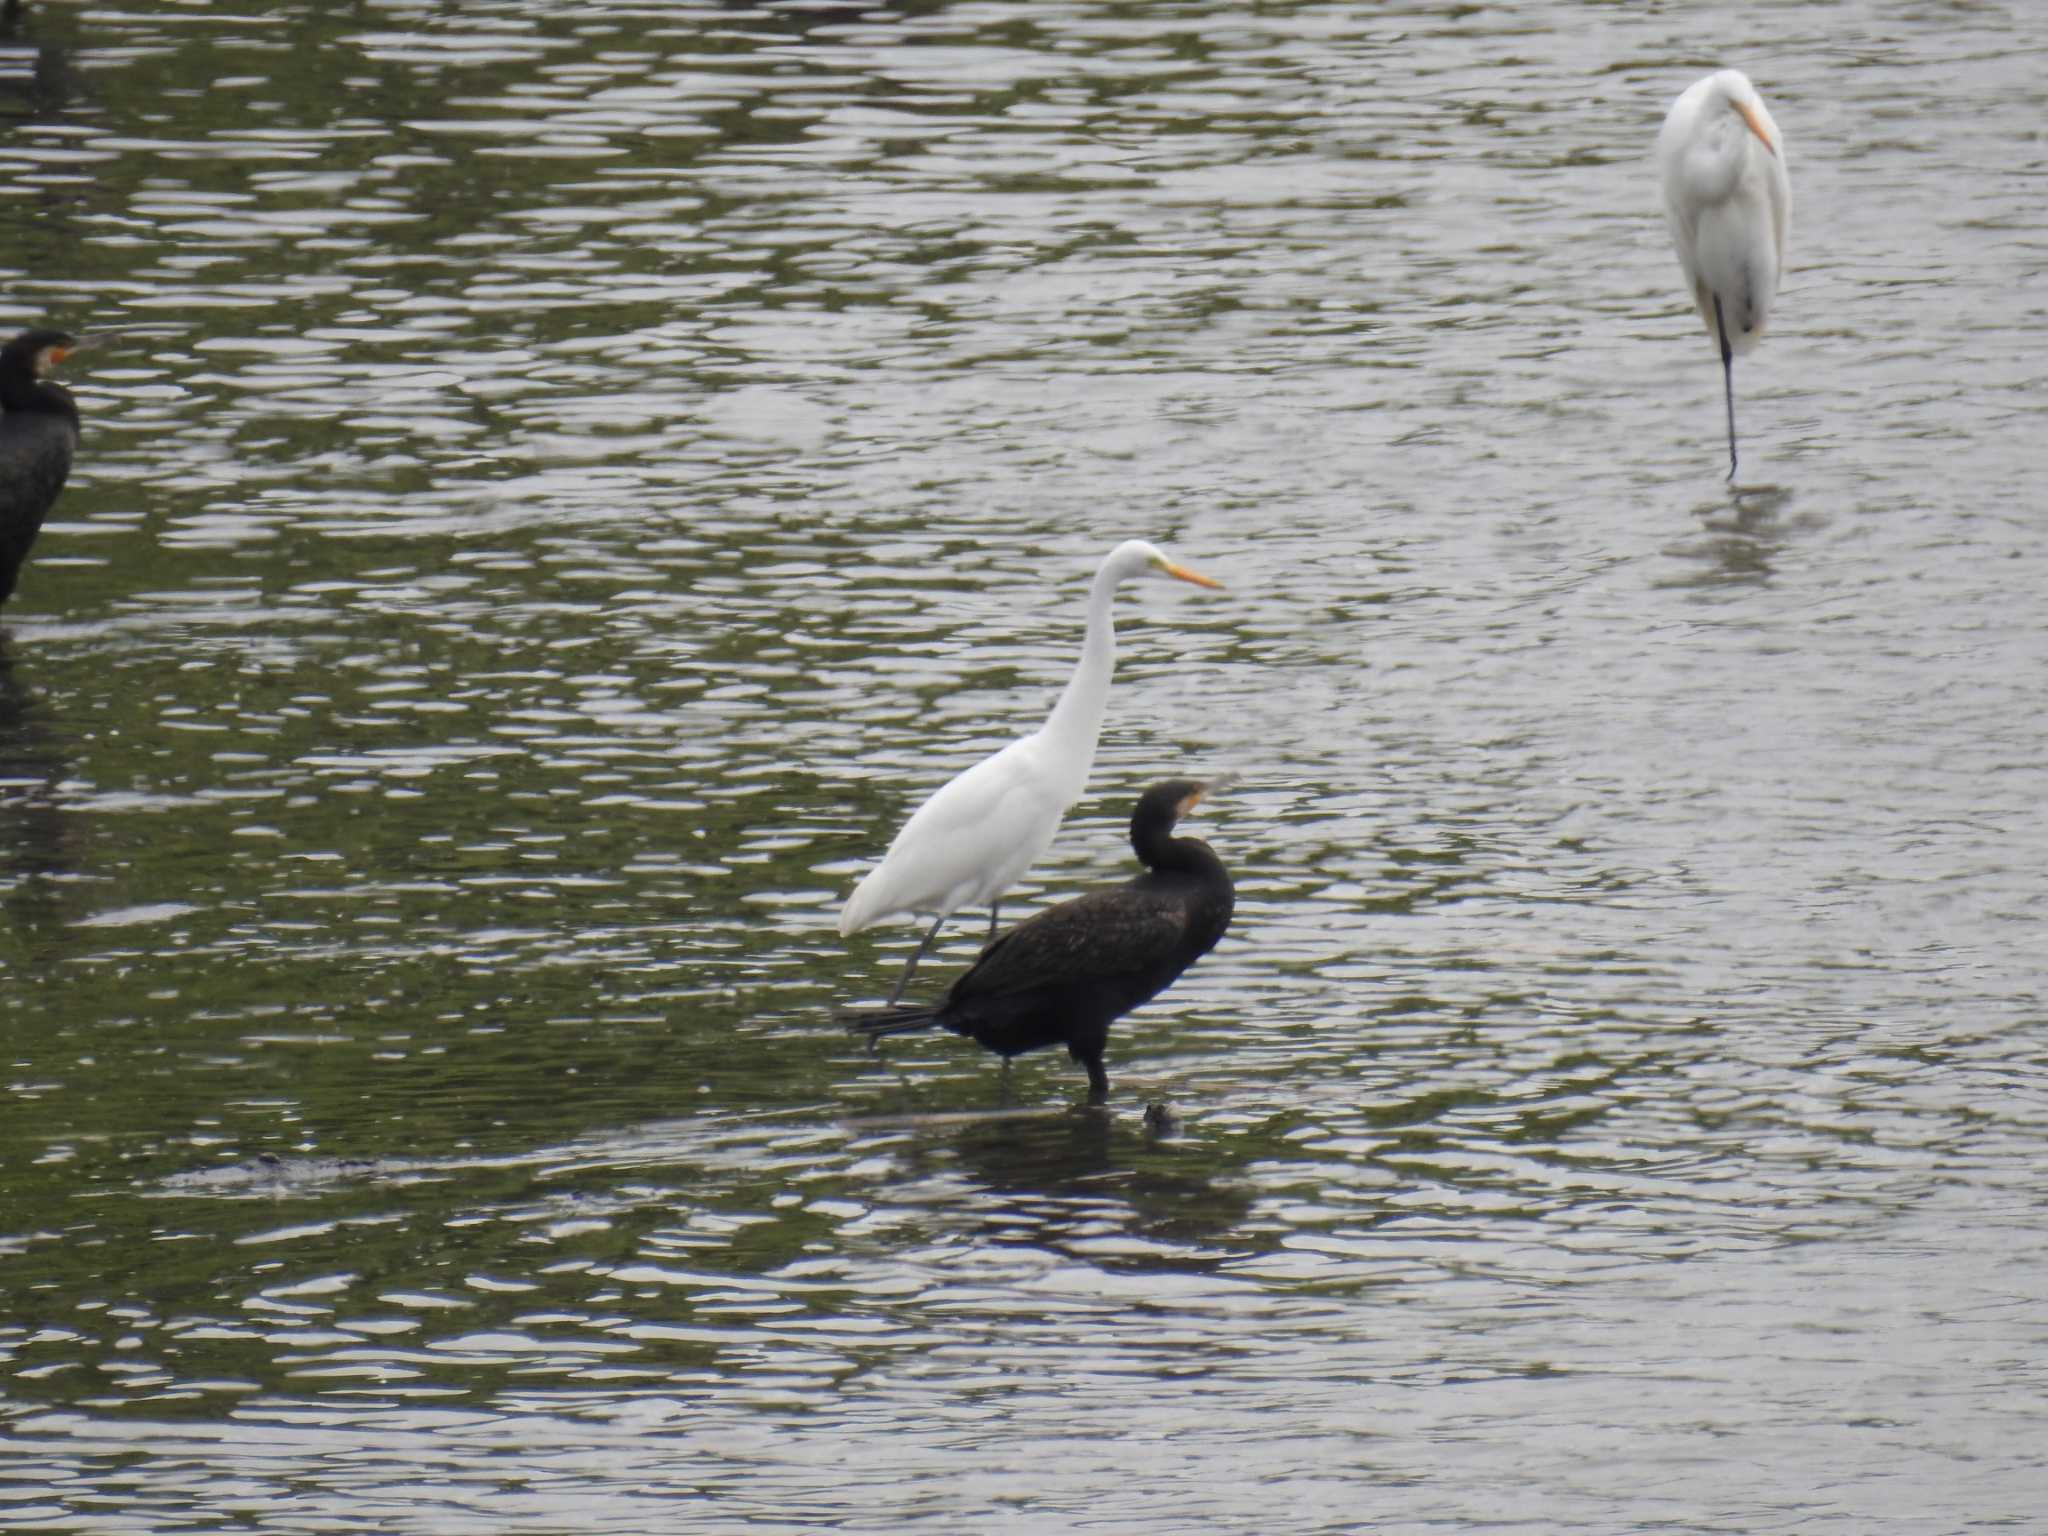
x,y
878,1022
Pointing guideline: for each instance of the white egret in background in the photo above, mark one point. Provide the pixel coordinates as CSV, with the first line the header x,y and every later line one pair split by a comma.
x,y
973,839
1729,200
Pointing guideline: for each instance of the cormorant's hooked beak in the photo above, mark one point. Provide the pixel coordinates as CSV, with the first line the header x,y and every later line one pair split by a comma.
x,y
1167,567
1756,124
55,355
1201,792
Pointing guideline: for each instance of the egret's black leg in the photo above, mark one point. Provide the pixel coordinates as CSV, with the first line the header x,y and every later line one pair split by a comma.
x,y
1727,379
994,907
915,956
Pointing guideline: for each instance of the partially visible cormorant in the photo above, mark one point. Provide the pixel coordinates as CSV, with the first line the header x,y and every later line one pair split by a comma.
x,y
1061,977
38,434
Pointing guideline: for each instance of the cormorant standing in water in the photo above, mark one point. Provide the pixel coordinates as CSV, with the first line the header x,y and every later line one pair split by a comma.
x,y
1061,977
38,433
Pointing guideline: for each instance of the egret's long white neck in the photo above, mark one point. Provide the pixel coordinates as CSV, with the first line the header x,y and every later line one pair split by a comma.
x,y
1718,161
1076,720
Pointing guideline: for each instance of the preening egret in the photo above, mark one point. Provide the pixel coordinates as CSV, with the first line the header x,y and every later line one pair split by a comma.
x,y
974,838
38,435
1062,976
1729,200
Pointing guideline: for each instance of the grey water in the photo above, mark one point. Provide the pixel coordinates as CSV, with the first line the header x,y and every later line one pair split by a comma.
x,y
562,482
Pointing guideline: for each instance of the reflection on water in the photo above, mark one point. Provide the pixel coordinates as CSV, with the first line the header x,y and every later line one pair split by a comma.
x,y
32,823
1738,538
35,78
570,479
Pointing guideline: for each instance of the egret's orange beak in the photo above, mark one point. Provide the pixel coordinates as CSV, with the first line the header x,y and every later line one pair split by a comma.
x,y
1182,573
1756,124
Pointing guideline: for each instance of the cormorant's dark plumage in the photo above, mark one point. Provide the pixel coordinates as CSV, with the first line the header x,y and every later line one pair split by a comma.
x,y
38,434
1061,977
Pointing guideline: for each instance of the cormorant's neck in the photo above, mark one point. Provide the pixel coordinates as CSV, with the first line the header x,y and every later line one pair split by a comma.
x,y
26,392
1158,849
1076,720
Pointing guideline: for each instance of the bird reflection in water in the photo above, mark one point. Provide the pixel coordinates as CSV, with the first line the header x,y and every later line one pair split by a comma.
x,y
1738,539
32,822
1050,1179
36,78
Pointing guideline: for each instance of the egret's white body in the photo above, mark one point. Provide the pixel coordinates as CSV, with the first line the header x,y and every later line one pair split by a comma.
x,y
975,838
1729,200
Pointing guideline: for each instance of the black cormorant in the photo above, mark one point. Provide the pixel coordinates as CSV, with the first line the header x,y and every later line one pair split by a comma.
x,y
1061,977
38,434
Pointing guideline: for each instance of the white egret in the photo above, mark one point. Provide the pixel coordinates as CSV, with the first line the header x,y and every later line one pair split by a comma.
x,y
1729,200
974,838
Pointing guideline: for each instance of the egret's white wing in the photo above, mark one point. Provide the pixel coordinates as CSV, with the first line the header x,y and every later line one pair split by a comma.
x,y
967,844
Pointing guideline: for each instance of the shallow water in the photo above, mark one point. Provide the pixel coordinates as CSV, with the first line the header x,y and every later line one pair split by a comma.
x,y
568,479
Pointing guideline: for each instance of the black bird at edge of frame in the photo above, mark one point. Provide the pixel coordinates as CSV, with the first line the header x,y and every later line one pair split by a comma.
x,y
38,435
1063,976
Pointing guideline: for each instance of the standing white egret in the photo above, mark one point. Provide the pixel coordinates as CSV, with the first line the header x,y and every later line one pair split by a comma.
x,y
1729,200
974,838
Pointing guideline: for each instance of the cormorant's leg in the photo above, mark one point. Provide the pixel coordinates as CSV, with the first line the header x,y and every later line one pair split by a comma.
x,y
1003,1086
1098,1080
1727,379
915,956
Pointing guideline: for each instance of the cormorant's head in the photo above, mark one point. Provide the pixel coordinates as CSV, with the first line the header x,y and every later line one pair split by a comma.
x,y
1166,802
37,351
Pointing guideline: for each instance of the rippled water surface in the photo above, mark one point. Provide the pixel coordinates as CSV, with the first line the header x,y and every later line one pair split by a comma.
x,y
566,479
